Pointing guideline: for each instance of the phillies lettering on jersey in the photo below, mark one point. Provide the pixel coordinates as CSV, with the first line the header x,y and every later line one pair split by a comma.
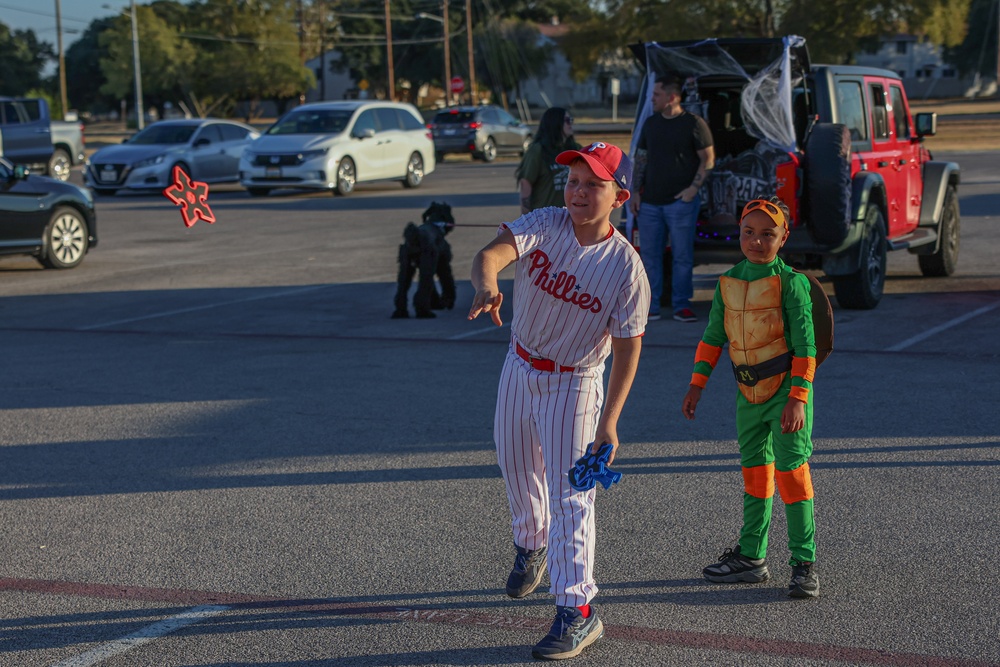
x,y
569,299
561,285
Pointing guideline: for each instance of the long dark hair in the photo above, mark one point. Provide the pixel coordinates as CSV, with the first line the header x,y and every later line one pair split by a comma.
x,y
550,128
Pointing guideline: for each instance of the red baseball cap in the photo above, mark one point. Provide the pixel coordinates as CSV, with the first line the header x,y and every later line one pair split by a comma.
x,y
606,160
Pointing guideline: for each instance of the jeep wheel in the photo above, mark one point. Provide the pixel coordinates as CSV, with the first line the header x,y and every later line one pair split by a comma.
x,y
828,182
862,290
943,262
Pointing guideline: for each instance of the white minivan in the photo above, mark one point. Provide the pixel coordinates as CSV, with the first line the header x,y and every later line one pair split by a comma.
x,y
334,145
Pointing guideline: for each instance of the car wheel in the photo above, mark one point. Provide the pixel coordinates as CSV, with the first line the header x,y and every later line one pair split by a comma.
x,y
106,192
828,182
945,260
60,165
66,239
489,150
414,171
346,177
525,144
862,290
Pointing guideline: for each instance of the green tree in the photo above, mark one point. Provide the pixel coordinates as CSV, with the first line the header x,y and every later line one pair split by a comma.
x,y
22,59
163,57
250,52
977,52
84,76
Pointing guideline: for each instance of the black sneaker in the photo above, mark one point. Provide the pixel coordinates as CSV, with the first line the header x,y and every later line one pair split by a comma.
x,y
529,566
805,581
570,634
732,567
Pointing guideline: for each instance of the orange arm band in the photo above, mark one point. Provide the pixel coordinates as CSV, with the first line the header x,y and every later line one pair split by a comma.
x,y
707,353
699,380
804,367
799,393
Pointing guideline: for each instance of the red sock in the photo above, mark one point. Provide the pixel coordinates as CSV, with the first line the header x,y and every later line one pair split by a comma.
x,y
585,610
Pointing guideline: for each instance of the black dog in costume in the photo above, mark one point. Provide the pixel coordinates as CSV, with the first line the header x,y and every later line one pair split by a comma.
x,y
425,249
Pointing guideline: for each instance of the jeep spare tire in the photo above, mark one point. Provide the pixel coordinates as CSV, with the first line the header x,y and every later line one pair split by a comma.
x,y
828,182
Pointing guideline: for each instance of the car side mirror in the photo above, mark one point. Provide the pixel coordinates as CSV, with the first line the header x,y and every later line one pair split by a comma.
x,y
204,141
926,124
20,172
366,133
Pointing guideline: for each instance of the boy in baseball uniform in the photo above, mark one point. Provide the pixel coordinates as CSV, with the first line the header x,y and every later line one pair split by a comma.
x,y
580,294
763,309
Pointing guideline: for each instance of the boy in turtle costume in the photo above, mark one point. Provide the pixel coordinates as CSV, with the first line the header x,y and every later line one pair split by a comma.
x,y
763,309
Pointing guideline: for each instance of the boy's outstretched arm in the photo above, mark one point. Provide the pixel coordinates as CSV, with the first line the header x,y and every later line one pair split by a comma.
x,y
487,265
624,362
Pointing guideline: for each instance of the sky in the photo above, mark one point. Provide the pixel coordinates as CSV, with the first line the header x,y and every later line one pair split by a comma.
x,y
40,16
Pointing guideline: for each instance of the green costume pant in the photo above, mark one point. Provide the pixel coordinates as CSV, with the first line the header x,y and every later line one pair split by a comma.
x,y
761,442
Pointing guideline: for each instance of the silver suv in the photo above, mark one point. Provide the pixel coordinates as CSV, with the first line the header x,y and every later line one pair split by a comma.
x,y
485,132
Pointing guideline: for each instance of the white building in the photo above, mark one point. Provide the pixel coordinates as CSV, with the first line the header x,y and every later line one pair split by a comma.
x,y
920,64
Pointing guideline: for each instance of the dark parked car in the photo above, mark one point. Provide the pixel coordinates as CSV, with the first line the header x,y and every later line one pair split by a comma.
x,y
485,132
44,217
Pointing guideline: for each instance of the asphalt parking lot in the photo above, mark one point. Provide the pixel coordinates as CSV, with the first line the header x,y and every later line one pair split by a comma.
x,y
217,449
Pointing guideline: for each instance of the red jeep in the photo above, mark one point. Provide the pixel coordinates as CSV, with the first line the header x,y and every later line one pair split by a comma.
x,y
837,143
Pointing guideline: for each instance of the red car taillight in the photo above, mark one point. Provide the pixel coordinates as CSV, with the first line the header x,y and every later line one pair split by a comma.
x,y
473,126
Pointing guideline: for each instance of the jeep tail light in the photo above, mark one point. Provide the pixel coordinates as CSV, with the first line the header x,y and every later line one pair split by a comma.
x,y
474,125
789,179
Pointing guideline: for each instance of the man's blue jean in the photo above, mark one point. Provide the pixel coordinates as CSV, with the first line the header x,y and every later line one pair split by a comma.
x,y
655,222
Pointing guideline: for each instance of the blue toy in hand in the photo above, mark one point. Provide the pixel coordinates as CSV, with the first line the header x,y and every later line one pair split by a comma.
x,y
593,468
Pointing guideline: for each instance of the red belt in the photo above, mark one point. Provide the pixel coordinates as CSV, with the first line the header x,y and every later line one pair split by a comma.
x,y
540,364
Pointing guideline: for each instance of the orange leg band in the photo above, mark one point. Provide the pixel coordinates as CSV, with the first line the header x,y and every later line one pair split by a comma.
x,y
795,485
758,481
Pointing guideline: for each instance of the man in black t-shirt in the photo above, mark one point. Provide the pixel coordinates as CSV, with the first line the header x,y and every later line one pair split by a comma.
x,y
672,159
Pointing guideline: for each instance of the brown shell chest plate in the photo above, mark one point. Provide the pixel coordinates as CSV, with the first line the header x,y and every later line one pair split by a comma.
x,y
755,328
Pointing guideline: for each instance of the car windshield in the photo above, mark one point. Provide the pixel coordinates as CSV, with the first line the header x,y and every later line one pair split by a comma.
x,y
313,121
454,117
164,134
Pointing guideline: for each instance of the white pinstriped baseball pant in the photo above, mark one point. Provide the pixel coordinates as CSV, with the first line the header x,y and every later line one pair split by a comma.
x,y
544,423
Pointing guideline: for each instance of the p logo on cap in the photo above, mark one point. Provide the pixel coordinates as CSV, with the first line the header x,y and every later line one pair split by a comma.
x,y
606,160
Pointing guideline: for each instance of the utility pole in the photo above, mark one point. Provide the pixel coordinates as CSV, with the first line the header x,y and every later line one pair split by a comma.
x,y
472,57
139,113
447,57
62,61
388,52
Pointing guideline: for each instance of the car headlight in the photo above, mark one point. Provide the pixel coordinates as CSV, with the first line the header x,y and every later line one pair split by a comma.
x,y
249,155
149,162
306,156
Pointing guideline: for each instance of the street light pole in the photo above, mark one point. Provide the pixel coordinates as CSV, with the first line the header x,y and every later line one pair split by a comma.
x,y
447,57
472,59
140,123
388,53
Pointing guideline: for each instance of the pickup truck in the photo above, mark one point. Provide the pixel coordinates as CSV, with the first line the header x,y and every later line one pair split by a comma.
x,y
28,136
836,142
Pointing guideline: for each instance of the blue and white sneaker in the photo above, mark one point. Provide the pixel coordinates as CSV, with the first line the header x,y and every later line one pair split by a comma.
x,y
570,634
529,566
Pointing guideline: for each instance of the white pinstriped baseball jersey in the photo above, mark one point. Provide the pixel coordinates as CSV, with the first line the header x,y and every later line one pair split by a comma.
x,y
569,299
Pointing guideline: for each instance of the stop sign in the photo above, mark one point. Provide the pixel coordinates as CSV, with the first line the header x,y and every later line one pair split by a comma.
x,y
457,85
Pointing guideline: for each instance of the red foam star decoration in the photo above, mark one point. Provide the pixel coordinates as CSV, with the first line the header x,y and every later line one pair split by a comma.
x,y
191,196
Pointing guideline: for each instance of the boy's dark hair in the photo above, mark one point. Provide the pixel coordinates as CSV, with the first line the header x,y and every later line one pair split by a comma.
x,y
550,128
777,201
670,80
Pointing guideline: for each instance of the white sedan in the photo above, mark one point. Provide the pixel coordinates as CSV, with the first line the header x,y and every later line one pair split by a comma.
x,y
334,145
208,149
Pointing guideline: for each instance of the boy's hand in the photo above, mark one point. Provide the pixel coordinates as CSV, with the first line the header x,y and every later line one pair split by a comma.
x,y
487,300
690,402
605,434
793,417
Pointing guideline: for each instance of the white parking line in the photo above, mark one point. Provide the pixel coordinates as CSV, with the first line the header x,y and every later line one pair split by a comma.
x,y
207,306
147,634
476,332
941,327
